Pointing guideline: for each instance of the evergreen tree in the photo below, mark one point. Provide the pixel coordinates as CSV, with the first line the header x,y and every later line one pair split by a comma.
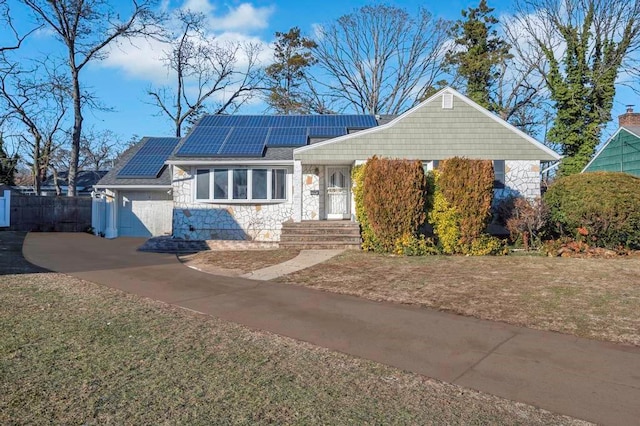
x,y
581,78
477,53
293,57
8,165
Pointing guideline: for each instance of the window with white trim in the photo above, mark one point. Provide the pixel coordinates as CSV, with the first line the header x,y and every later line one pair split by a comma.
x,y
241,184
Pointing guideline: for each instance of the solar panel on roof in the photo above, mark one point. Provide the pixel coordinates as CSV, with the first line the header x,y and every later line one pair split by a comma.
x,y
327,131
246,142
288,136
204,140
247,135
149,160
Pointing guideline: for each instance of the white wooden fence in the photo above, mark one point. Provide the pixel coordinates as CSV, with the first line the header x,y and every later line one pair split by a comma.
x,y
98,214
5,209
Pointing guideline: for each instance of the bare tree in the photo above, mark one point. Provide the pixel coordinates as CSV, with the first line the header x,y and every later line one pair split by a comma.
x,y
35,100
382,59
86,28
520,95
99,150
203,70
7,22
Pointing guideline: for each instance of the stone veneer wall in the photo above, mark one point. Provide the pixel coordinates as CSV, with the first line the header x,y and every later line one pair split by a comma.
x,y
313,180
522,178
209,221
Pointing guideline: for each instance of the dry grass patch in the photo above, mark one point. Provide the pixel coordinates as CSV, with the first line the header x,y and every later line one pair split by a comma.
x,y
594,298
72,352
237,262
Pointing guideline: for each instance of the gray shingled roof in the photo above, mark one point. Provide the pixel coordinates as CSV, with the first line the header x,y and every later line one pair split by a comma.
x,y
633,129
111,178
84,178
270,154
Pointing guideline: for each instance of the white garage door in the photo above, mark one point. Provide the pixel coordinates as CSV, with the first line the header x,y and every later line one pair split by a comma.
x,y
144,213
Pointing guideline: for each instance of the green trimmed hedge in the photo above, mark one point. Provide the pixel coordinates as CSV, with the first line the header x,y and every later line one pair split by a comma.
x,y
602,208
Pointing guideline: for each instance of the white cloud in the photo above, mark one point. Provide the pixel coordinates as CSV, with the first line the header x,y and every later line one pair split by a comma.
x,y
142,58
139,58
245,17
199,6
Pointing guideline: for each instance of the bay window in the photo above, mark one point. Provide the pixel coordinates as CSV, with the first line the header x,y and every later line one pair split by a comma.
x,y
241,184
220,184
259,184
278,184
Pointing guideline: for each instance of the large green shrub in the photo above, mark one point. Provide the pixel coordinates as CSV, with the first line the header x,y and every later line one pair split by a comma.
x,y
601,207
393,196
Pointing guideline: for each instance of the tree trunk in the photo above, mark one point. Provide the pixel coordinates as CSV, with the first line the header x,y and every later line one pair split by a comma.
x,y
525,240
77,133
56,182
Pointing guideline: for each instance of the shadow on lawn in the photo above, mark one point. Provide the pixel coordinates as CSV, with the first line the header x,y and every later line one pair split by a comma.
x,y
11,259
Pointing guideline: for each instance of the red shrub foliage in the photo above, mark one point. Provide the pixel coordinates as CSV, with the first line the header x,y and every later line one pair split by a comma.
x,y
394,196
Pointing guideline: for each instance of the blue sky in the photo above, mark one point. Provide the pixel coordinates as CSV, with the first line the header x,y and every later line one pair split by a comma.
x,y
120,82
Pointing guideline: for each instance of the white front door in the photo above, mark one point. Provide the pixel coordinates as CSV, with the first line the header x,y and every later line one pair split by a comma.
x,y
337,197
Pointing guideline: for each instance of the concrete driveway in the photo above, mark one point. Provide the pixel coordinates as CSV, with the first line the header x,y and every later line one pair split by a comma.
x,y
592,380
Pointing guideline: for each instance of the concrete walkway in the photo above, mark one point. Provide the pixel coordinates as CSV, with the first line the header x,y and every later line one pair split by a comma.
x,y
587,379
305,259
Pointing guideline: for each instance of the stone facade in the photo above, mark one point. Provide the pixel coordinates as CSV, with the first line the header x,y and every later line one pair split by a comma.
x,y
522,178
313,189
214,221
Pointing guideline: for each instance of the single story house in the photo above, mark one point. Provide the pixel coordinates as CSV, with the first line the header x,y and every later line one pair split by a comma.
x,y
242,177
621,152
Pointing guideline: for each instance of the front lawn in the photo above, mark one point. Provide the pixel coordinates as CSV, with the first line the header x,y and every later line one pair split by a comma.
x,y
72,352
237,262
593,298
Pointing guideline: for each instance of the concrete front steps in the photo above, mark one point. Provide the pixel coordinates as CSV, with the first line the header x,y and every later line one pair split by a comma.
x,y
320,234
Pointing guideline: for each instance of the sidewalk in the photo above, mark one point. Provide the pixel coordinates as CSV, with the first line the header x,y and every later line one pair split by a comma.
x,y
305,259
591,380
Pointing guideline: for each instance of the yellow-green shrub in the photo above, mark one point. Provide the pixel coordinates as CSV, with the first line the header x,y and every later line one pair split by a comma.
x,y
445,221
462,207
369,242
410,245
484,245
467,186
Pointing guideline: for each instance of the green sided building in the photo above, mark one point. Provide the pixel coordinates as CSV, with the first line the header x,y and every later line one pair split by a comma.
x,y
621,153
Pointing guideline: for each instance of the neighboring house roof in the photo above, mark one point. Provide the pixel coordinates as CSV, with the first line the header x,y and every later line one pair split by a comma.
x,y
621,153
138,153
431,132
85,179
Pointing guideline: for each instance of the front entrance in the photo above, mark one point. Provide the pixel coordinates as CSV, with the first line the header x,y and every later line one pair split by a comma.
x,y
338,193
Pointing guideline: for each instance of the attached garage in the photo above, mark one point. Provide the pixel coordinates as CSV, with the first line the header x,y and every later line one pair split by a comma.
x,y
135,198
144,213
